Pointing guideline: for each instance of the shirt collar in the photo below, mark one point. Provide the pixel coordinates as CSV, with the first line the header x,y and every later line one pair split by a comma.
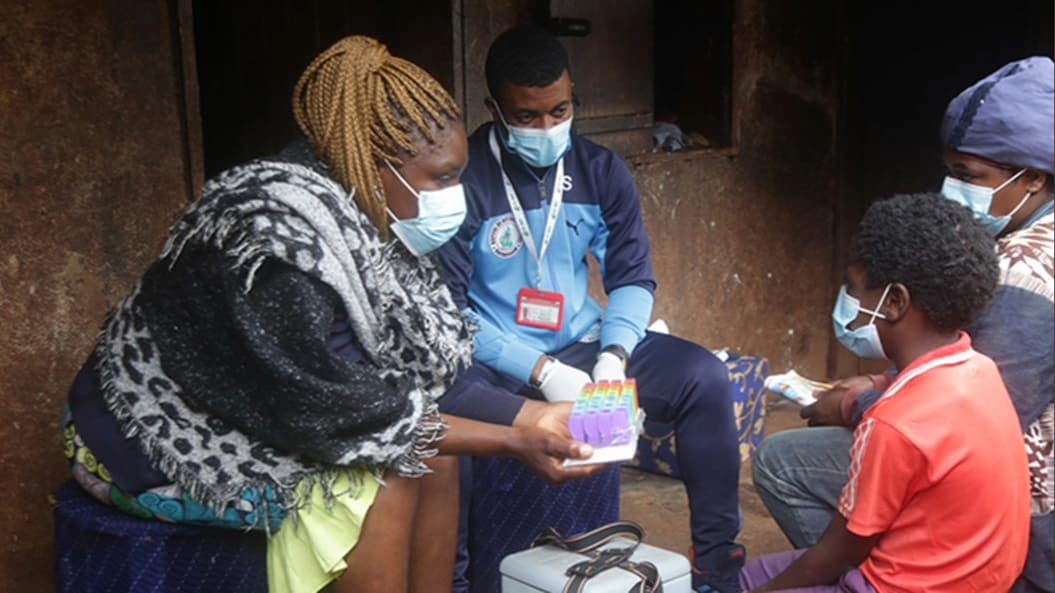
x,y
953,354
1041,212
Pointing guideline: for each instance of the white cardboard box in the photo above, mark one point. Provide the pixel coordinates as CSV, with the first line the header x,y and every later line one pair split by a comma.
x,y
541,570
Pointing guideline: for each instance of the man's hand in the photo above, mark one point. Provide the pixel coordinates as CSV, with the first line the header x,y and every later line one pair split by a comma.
x,y
562,383
609,367
545,451
827,411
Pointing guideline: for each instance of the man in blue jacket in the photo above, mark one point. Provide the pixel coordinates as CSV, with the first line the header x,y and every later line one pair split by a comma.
x,y
540,199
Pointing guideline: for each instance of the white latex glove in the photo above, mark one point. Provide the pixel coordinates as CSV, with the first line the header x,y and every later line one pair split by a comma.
x,y
608,367
562,383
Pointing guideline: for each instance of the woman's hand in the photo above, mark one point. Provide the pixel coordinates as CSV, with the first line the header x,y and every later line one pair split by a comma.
x,y
539,437
545,442
828,409
544,451
549,416
554,418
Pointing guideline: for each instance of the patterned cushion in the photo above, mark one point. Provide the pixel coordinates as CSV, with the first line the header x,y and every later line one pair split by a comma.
x,y
100,549
657,448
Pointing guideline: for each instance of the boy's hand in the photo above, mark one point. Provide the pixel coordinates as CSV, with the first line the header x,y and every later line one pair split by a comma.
x,y
828,409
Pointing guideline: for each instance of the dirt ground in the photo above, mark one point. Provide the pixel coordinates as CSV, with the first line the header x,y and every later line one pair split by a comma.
x,y
659,503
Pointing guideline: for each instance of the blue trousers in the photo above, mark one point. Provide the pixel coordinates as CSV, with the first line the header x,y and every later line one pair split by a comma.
x,y
679,383
799,475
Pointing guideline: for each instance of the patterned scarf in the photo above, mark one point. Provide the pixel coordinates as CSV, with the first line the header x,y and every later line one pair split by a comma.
x,y
218,363
1027,262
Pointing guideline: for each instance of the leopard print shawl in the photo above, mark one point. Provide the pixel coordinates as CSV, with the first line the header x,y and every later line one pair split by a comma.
x,y
217,361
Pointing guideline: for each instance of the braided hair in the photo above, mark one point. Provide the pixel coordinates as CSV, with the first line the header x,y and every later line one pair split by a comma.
x,y
359,105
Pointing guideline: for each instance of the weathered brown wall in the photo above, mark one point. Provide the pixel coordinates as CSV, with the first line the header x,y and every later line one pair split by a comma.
x,y
92,172
743,245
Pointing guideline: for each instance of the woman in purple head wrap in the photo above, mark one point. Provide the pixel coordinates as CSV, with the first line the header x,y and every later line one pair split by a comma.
x,y
999,139
1000,145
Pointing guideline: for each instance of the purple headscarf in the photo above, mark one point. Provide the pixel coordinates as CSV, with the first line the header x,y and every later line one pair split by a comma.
x,y
1007,117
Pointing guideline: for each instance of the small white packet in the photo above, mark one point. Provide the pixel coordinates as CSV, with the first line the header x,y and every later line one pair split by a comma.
x,y
795,387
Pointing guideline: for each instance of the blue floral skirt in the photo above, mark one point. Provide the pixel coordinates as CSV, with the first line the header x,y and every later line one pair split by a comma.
x,y
167,502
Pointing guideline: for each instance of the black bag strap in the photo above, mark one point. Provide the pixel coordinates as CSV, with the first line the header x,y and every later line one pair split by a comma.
x,y
586,542
601,560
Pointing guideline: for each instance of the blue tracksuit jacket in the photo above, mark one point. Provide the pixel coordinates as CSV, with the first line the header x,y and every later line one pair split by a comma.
x,y
487,263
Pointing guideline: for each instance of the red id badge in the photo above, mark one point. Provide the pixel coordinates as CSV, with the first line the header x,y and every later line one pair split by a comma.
x,y
538,308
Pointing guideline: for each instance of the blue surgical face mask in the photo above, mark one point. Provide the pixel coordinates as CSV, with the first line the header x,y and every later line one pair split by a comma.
x,y
863,341
980,199
538,148
440,214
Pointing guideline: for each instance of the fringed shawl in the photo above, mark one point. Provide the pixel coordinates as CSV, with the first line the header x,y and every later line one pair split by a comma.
x,y
217,362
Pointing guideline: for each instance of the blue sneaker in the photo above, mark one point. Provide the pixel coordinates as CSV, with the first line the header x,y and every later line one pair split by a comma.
x,y
724,574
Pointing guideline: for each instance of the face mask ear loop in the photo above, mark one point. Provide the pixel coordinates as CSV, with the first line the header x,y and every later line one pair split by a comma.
x,y
876,313
1008,182
413,191
501,118
1029,195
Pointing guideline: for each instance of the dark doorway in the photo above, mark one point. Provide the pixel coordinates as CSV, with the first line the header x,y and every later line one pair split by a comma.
x,y
694,69
906,61
250,53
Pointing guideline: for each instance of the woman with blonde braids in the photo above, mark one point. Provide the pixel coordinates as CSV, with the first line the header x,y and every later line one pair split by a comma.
x,y
278,367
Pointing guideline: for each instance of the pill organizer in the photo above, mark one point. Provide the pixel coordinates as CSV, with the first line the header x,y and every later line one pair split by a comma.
x,y
606,416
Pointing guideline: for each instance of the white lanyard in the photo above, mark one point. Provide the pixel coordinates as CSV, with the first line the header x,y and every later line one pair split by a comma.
x,y
521,219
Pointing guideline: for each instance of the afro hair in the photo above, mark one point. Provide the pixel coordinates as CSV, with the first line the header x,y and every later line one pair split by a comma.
x,y
934,247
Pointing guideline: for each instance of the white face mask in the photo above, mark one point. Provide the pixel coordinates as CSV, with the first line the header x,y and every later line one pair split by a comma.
x,y
538,148
863,341
980,199
440,215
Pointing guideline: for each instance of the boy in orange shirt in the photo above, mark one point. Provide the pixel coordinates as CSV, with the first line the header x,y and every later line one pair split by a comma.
x,y
928,506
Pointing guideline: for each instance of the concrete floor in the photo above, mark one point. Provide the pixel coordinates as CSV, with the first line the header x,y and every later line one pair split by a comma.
x,y
659,503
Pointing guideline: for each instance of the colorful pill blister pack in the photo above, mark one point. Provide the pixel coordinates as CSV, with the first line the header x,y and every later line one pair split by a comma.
x,y
607,417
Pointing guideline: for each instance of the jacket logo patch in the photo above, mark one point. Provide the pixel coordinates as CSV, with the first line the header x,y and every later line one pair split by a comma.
x,y
575,227
505,238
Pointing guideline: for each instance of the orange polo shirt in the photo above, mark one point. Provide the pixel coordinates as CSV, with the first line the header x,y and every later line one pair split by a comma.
x,y
938,469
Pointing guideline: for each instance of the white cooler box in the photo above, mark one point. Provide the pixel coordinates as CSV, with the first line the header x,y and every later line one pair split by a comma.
x,y
542,570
